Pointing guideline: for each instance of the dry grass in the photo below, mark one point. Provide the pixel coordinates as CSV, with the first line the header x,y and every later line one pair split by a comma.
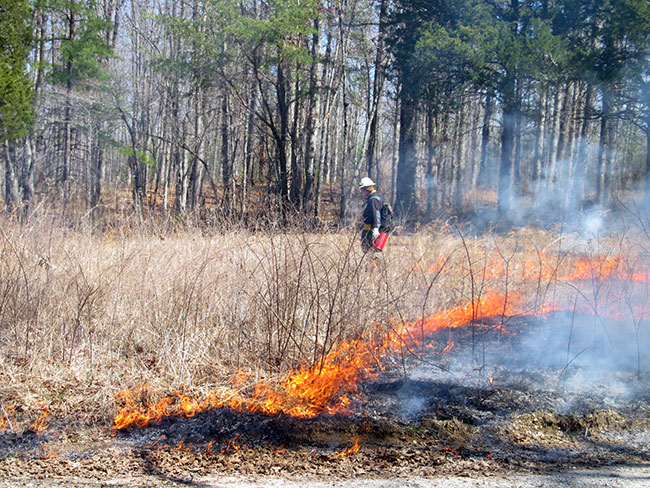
x,y
83,315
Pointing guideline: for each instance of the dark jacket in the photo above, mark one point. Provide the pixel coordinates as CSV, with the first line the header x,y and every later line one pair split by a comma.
x,y
372,211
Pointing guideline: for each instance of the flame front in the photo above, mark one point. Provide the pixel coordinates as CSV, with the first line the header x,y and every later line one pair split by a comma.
x,y
327,387
578,268
324,388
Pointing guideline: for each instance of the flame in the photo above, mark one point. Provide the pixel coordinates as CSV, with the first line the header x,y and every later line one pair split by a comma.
x,y
596,267
40,424
181,446
327,388
348,451
234,445
324,388
599,267
448,347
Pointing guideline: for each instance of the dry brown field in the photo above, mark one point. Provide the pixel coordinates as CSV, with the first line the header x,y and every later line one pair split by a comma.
x,y
161,358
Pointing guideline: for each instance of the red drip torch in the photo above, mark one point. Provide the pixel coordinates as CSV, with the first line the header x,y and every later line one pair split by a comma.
x,y
380,242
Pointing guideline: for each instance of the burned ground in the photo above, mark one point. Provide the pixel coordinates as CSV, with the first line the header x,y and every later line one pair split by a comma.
x,y
486,408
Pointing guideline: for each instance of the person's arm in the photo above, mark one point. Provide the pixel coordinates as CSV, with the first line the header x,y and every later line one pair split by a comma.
x,y
376,217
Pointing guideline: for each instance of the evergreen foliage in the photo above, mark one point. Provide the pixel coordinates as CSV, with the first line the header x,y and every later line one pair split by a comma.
x,y
83,51
16,90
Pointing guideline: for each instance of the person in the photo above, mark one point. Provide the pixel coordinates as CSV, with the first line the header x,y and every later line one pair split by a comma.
x,y
371,215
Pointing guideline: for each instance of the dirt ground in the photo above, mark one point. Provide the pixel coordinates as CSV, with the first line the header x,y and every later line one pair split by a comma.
x,y
623,476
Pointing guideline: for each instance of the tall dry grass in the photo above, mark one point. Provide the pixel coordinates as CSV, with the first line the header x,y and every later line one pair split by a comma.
x,y
84,314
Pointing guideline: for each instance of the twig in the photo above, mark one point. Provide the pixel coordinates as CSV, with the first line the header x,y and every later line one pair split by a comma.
x,y
7,417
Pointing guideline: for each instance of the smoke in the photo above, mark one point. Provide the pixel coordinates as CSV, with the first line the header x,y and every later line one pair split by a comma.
x,y
590,347
592,222
412,405
575,357
570,190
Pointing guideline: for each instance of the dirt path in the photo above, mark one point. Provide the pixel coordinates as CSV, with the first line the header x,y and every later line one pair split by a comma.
x,y
625,476
637,476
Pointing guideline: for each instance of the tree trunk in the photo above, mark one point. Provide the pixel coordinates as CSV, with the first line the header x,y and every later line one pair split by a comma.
x,y
27,178
226,163
297,173
431,173
283,135
343,202
67,116
564,127
505,191
372,162
326,153
485,140
459,156
551,164
575,196
473,151
96,180
517,187
604,153
247,177
646,187
572,133
11,182
406,204
312,109
196,165
178,162
540,133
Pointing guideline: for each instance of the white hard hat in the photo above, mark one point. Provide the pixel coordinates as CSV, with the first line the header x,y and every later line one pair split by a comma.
x,y
366,182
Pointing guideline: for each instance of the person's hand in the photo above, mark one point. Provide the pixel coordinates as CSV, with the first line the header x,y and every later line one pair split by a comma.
x,y
375,233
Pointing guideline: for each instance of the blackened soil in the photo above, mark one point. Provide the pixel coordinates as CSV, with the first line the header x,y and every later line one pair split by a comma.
x,y
440,415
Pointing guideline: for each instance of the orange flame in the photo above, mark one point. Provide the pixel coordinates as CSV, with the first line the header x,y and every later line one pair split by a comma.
x,y
162,436
324,388
327,387
208,448
181,446
448,347
348,451
40,424
234,445
580,268
599,267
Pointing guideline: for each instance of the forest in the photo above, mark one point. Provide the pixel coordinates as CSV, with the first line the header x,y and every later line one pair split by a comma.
x,y
260,111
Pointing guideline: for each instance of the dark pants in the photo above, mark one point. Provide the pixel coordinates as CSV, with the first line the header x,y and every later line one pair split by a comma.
x,y
366,241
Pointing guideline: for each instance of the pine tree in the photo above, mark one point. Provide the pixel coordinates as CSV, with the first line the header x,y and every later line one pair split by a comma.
x,y
439,48
83,52
16,91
